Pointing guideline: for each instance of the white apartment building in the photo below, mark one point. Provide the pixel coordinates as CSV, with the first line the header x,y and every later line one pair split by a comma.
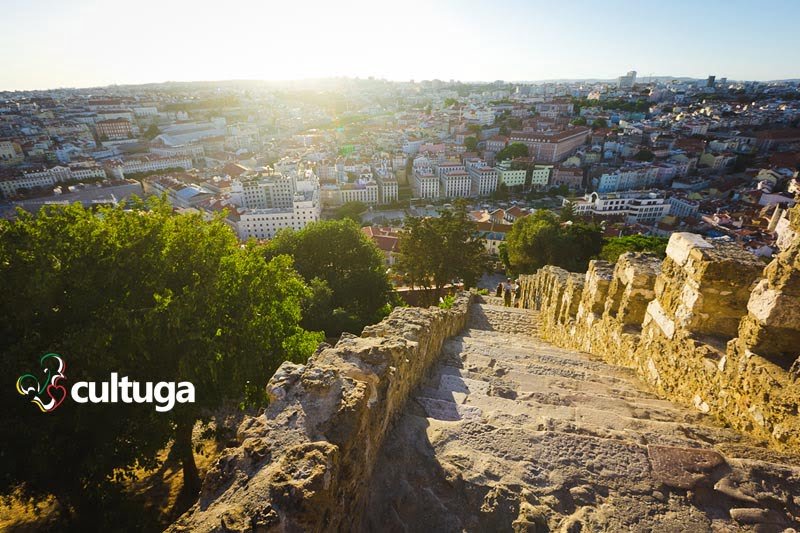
x,y
266,223
447,167
49,177
455,184
195,151
365,192
10,186
388,191
426,184
540,176
508,177
484,179
387,184
484,117
636,206
263,193
638,177
682,207
148,164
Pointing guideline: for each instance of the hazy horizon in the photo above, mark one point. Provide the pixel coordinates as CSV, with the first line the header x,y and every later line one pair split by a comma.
x,y
592,79
88,43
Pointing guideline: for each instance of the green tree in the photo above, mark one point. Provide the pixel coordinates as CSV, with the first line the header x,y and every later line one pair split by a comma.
x,y
152,132
150,295
500,193
541,239
599,123
350,210
567,213
616,246
435,252
579,121
511,151
338,253
471,143
644,155
450,102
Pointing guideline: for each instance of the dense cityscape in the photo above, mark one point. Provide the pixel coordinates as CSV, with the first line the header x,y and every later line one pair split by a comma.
x,y
454,266
646,155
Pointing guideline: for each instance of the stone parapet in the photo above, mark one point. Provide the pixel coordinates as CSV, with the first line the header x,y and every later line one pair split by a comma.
x,y
302,464
708,326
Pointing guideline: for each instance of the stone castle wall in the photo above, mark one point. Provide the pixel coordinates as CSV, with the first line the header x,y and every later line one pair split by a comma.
x,y
708,326
305,463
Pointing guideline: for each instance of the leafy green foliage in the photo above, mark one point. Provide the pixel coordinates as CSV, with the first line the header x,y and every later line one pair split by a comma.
x,y
351,210
471,143
644,155
152,132
579,121
147,294
500,193
616,246
447,302
349,284
541,239
437,251
511,151
599,123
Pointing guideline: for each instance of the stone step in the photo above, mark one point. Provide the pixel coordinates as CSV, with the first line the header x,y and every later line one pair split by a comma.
x,y
506,319
600,416
507,415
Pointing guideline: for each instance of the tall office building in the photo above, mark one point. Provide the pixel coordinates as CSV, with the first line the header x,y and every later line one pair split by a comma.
x,y
627,81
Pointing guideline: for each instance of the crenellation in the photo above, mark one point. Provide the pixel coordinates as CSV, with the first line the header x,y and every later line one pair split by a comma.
x,y
708,327
632,288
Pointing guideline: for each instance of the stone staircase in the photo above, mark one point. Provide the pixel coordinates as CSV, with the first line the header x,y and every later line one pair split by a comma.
x,y
511,433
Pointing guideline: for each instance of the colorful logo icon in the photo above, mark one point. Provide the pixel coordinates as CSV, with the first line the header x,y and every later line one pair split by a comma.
x,y
47,394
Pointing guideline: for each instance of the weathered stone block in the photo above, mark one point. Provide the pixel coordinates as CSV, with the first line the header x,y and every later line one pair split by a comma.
x,y
704,286
632,288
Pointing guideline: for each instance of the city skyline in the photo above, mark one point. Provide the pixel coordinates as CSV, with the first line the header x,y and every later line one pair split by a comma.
x,y
85,43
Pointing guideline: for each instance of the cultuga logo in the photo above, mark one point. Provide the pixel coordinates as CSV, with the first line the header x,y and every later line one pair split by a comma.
x,y
48,394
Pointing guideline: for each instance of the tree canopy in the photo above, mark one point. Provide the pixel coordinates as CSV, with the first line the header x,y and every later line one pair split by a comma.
x,y
152,132
616,246
542,239
351,210
150,295
351,289
471,143
436,251
511,151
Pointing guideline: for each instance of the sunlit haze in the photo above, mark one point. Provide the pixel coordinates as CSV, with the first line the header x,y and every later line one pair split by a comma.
x,y
75,43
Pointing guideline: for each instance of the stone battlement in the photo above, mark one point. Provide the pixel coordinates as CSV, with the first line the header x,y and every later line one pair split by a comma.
x,y
304,464
708,326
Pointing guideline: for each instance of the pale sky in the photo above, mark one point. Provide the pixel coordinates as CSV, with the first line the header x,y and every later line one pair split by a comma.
x,y
79,43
